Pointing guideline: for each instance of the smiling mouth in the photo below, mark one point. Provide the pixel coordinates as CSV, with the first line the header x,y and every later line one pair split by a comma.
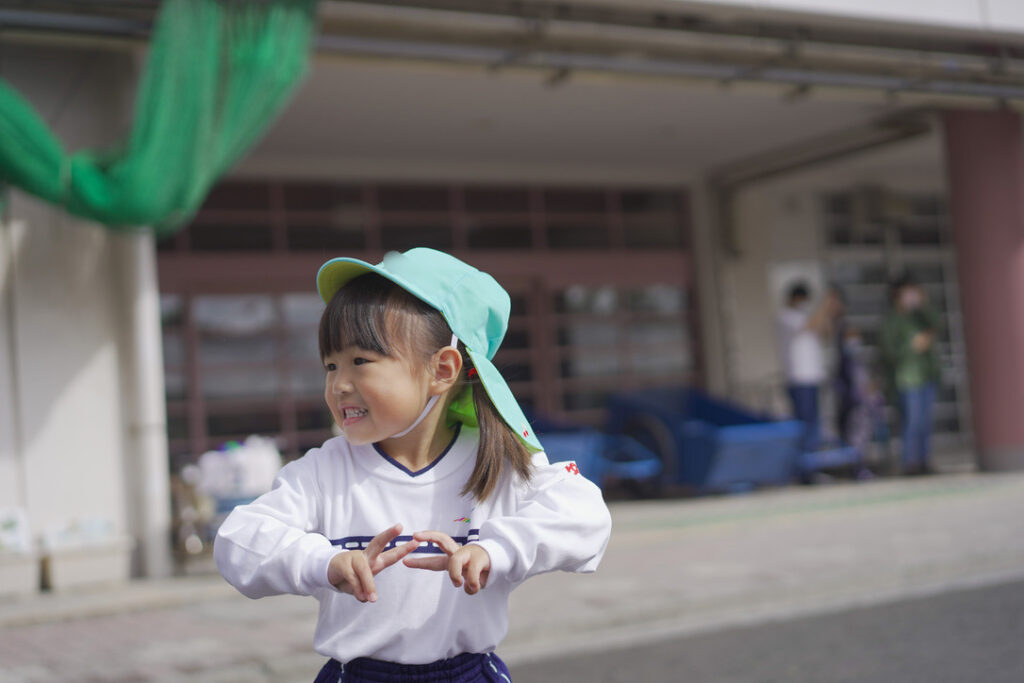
x,y
354,414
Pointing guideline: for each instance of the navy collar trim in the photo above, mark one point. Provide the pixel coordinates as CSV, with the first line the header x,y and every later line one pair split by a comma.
x,y
376,446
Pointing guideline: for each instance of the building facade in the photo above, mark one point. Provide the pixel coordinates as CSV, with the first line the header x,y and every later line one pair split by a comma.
x,y
643,177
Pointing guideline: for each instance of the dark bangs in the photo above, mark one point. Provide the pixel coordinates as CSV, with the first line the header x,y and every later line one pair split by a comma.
x,y
368,312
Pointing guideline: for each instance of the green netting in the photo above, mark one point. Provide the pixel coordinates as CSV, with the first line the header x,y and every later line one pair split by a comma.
x,y
217,74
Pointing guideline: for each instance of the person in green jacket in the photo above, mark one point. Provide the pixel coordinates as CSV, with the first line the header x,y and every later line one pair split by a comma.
x,y
908,339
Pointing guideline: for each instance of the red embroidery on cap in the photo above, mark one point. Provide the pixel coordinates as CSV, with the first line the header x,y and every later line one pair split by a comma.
x,y
572,469
471,373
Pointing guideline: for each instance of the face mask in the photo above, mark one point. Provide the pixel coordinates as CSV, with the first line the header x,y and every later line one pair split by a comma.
x,y
426,409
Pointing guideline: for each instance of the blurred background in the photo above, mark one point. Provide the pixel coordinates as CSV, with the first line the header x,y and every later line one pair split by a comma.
x,y
647,179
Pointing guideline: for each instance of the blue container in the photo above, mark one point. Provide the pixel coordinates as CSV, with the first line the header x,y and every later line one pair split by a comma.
x,y
706,444
600,457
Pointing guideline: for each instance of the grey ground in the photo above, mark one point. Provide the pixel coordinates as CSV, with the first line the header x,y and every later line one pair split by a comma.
x,y
971,635
824,583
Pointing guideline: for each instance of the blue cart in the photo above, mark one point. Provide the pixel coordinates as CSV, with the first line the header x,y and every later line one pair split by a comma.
x,y
705,444
601,458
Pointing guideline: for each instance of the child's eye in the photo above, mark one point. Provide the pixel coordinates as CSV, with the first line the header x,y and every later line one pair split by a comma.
x,y
330,367
360,361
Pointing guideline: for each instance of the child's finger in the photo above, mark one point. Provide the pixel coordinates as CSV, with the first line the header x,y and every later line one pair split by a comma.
x,y
388,558
472,573
364,580
438,538
381,540
436,563
456,566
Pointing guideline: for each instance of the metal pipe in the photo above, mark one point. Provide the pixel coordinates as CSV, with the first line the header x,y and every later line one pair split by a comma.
x,y
491,56
73,23
558,61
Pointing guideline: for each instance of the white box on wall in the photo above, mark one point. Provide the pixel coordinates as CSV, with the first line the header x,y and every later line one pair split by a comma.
x,y
87,565
19,562
19,574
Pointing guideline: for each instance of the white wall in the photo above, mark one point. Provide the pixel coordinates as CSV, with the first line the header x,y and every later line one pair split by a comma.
x,y
62,431
66,355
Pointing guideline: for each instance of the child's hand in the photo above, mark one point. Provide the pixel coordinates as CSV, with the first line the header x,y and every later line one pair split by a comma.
x,y
469,562
353,572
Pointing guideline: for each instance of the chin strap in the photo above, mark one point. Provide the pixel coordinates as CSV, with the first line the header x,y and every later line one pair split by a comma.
x,y
428,407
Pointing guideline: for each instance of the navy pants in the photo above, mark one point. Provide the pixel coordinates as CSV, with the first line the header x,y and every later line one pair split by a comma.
x,y
804,398
464,668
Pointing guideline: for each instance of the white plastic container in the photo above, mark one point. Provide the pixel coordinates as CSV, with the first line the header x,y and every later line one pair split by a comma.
x,y
85,565
19,574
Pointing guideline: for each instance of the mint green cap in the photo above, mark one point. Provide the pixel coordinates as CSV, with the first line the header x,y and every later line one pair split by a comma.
x,y
472,302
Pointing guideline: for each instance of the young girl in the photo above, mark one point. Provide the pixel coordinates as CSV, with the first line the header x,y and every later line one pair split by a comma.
x,y
434,443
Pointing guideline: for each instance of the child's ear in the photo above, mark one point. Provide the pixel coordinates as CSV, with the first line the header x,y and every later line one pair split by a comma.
x,y
447,366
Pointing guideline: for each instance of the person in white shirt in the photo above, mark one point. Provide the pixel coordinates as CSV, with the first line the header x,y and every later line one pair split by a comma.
x,y
433,442
801,333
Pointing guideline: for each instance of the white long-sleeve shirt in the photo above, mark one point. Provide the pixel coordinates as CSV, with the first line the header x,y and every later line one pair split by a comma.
x,y
339,496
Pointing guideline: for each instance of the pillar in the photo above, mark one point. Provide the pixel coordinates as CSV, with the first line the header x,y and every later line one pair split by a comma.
x,y
985,165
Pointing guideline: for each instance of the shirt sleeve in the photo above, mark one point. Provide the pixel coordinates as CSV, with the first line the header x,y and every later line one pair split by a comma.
x,y
271,545
560,523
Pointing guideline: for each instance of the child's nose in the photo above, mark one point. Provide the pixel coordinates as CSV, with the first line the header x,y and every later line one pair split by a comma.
x,y
341,384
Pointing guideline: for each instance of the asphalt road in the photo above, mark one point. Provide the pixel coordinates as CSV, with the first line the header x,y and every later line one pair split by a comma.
x,y
974,635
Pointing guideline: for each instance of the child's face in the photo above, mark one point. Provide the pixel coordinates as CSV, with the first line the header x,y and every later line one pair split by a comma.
x,y
373,396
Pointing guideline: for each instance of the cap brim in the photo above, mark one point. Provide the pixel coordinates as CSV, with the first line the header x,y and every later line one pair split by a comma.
x,y
502,398
337,272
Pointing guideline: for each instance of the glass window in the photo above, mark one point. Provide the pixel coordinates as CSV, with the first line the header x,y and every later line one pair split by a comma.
x,y
307,380
658,332
326,237
516,339
302,310
642,202
174,349
234,314
586,400
314,418
209,236
661,362
576,235
664,299
175,383
493,234
652,231
300,197
589,333
925,273
497,199
591,363
167,243
580,299
171,310
303,345
574,201
177,427
399,237
239,196
236,383
918,233
243,423
412,198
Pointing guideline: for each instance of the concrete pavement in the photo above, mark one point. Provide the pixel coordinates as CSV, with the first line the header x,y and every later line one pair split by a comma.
x,y
673,568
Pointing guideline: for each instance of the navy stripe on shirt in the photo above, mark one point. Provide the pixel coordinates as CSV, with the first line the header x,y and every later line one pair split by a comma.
x,y
360,542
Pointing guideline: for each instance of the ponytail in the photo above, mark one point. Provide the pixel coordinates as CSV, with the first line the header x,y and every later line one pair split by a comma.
x,y
498,446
